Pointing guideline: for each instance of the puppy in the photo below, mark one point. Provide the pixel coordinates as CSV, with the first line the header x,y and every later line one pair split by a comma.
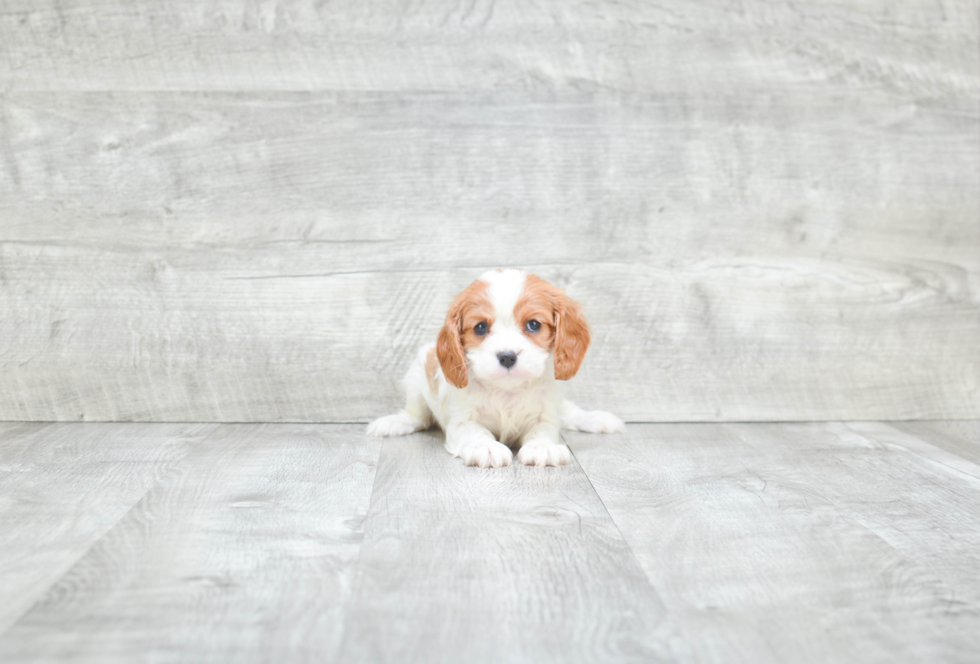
x,y
491,379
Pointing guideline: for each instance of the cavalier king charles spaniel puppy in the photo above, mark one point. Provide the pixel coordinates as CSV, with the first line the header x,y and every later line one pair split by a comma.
x,y
491,379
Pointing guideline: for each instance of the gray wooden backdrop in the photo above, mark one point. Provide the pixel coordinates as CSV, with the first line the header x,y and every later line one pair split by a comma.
x,y
247,211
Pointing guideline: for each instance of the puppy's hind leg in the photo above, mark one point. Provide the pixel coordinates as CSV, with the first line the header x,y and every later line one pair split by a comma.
x,y
591,421
415,416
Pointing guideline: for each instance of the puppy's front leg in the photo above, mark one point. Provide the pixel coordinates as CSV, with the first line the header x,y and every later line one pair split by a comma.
x,y
541,447
476,446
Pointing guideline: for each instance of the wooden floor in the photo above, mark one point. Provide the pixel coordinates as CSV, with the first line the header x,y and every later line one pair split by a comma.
x,y
675,542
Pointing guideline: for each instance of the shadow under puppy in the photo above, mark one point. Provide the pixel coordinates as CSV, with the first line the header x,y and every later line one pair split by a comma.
x,y
491,379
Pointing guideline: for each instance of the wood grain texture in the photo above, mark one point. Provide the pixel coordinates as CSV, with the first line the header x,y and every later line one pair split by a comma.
x,y
517,564
238,211
802,542
960,437
62,487
699,542
245,553
501,44
247,264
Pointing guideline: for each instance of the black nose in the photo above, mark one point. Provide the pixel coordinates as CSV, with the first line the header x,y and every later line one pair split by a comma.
x,y
507,359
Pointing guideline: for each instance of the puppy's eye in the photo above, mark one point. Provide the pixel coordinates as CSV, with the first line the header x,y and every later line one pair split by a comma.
x,y
532,326
480,329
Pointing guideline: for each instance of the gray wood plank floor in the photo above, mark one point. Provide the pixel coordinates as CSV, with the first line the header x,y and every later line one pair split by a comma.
x,y
296,542
63,488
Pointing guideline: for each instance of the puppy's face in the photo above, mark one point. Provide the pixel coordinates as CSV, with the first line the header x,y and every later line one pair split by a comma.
x,y
505,326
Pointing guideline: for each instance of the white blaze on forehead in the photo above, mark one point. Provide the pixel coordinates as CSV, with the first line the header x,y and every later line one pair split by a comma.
x,y
505,289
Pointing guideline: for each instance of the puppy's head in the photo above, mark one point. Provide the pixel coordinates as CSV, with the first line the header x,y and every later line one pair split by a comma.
x,y
505,326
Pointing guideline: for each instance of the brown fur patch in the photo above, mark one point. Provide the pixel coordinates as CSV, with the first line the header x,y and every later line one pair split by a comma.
x,y
572,339
470,307
431,367
539,301
563,325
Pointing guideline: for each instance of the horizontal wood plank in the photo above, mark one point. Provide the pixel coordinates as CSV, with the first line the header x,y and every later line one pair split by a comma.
x,y
925,47
450,179
149,335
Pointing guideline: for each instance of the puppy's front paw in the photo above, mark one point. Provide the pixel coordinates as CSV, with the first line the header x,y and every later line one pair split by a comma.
x,y
599,421
486,455
544,454
399,424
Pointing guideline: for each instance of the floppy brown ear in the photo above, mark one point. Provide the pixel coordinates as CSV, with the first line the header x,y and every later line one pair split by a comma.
x,y
449,348
571,338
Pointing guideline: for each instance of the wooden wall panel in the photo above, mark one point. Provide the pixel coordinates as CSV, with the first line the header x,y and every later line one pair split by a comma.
x,y
717,46
241,212
153,335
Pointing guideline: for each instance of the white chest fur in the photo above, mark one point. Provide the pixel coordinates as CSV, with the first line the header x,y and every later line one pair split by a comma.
x,y
510,413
